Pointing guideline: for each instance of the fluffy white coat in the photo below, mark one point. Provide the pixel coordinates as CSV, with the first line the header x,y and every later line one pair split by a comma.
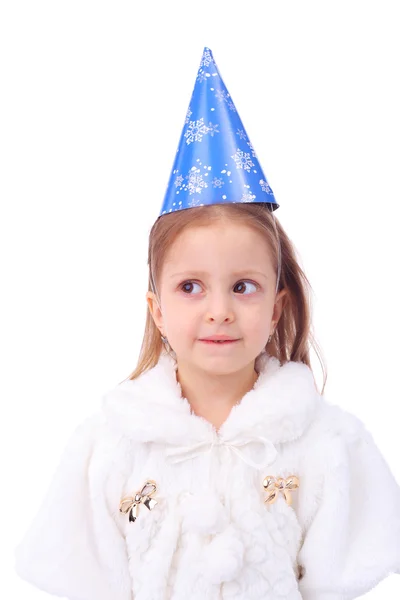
x,y
211,535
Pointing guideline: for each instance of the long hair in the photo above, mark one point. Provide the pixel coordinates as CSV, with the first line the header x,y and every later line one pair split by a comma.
x,y
293,335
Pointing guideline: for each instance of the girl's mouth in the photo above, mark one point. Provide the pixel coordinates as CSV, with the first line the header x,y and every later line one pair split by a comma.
x,y
220,343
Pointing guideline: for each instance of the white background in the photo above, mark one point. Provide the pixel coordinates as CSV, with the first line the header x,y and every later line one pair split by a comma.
x,y
93,100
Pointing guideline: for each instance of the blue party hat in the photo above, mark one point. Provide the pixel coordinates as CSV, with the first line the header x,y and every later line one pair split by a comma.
x,y
215,161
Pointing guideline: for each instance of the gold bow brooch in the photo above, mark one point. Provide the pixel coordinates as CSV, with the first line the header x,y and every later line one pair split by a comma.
x,y
273,486
144,496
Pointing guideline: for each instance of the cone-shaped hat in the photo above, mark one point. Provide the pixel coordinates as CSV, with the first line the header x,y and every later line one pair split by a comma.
x,y
215,161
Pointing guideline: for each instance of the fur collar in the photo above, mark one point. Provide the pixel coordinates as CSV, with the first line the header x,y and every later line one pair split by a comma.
x,y
278,409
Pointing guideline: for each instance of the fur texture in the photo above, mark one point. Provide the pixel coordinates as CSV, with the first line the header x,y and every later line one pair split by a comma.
x,y
211,536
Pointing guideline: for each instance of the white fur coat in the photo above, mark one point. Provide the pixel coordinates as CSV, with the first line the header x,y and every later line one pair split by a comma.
x,y
212,535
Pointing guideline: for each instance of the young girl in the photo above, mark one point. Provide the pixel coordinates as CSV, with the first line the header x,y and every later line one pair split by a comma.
x,y
217,470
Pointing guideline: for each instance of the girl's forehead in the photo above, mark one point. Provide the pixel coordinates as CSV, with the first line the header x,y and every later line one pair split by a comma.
x,y
218,249
208,256
229,238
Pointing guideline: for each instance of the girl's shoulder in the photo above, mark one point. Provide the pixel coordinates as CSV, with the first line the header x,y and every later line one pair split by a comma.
x,y
336,420
335,429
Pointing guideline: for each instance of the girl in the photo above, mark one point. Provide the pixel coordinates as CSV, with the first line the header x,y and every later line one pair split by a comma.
x,y
217,470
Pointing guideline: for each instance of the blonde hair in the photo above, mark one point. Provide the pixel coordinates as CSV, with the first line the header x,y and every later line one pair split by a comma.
x,y
293,334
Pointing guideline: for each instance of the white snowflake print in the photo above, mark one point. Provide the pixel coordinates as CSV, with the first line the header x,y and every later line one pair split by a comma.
x,y
247,196
253,152
211,129
195,181
242,135
189,112
194,202
195,131
206,59
178,181
265,186
201,76
221,95
217,182
242,160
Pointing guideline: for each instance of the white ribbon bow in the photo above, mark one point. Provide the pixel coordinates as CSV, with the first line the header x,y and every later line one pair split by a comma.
x,y
243,447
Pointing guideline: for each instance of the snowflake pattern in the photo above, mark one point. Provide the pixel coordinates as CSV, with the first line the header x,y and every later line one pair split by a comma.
x,y
197,129
242,160
206,59
222,96
247,196
253,152
188,114
217,182
265,186
195,181
178,181
242,135
211,129
201,76
194,202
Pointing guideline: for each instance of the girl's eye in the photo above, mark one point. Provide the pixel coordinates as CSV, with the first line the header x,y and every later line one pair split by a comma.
x,y
187,284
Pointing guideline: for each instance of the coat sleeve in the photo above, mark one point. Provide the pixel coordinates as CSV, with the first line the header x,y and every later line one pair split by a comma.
x,y
74,548
353,539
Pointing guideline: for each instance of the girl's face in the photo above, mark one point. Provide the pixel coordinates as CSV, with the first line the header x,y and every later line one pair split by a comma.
x,y
217,280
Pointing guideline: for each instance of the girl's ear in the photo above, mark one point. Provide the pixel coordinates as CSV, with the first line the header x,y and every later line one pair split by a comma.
x,y
279,305
154,309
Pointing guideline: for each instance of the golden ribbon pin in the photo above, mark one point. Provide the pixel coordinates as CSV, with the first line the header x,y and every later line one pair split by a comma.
x,y
274,485
131,503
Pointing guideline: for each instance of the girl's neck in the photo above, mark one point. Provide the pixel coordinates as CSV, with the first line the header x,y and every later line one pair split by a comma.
x,y
212,396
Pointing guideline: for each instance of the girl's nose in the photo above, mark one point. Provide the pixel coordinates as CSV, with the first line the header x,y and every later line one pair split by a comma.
x,y
219,307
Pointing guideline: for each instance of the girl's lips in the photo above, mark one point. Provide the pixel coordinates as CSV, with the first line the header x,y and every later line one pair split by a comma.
x,y
223,343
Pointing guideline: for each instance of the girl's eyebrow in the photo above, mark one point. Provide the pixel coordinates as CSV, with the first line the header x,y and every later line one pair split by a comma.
x,y
204,273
